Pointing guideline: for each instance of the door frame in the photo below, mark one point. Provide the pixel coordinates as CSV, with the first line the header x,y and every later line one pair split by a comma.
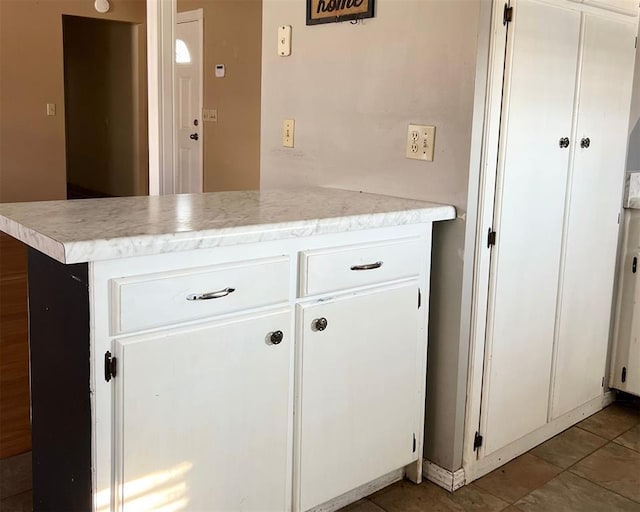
x,y
185,17
482,258
161,22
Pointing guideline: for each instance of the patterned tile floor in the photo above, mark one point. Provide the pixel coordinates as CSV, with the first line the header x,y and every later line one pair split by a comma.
x,y
591,467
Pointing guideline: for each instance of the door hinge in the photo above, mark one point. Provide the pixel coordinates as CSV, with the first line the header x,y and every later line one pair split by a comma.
x,y
419,298
477,441
624,374
507,15
414,443
634,265
602,385
110,365
636,45
491,238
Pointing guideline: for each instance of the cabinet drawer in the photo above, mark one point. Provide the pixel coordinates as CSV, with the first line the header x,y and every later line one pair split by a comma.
x,y
328,270
156,300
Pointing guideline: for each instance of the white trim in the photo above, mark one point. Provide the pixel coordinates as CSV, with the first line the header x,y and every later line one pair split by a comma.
x,y
360,492
449,481
496,459
187,17
160,56
486,195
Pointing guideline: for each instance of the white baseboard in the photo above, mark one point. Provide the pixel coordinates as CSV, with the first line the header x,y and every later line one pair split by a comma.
x,y
488,463
360,492
446,479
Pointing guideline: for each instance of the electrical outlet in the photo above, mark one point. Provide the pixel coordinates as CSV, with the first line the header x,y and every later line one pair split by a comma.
x,y
421,142
288,129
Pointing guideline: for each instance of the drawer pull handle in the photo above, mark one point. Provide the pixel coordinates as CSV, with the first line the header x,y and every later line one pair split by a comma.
x,y
211,295
368,266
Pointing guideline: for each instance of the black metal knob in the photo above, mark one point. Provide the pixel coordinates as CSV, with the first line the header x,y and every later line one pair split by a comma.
x,y
276,337
564,142
193,136
320,324
585,143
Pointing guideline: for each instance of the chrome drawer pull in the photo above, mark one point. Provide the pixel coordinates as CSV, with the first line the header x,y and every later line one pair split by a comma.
x,y
211,295
369,266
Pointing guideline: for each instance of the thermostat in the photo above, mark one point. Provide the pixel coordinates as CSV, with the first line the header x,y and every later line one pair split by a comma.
x,y
220,70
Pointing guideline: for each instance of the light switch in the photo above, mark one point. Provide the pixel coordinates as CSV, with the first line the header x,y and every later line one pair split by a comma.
x,y
51,109
288,129
284,40
210,115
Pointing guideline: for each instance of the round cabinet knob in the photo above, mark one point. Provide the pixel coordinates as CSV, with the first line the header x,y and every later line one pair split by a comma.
x,y
564,142
276,337
585,143
320,324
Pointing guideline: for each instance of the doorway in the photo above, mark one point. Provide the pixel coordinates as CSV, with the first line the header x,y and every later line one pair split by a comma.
x,y
105,108
188,94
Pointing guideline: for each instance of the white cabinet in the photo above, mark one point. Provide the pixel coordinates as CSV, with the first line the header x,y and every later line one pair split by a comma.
x,y
566,100
229,396
360,374
203,417
625,360
593,209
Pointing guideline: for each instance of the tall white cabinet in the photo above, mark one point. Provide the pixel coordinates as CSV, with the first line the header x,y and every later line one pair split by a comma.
x,y
563,136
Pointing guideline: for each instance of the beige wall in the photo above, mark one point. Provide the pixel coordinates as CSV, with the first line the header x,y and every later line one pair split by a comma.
x,y
101,104
32,145
352,90
232,36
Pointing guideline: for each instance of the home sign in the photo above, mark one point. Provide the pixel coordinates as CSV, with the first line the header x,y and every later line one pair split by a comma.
x,y
331,11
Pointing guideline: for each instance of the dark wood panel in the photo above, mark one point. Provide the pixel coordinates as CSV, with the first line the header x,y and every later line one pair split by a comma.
x,y
15,427
60,384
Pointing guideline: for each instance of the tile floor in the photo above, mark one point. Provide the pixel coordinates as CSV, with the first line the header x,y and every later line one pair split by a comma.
x,y
591,467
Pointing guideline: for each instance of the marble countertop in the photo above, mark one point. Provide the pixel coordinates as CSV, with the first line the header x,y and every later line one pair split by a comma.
x,y
99,229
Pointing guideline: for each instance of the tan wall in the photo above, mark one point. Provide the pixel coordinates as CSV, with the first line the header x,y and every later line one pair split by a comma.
x,y
232,36
101,103
32,167
32,145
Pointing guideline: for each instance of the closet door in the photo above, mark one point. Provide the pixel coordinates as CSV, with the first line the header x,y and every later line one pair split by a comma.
x,y
593,206
537,113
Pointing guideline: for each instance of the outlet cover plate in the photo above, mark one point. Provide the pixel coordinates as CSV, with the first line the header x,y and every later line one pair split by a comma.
x,y
288,130
421,142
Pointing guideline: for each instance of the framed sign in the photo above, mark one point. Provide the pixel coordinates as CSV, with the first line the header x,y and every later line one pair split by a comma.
x,y
332,11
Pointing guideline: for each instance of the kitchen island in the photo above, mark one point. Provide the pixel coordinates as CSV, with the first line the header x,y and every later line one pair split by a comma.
x,y
249,351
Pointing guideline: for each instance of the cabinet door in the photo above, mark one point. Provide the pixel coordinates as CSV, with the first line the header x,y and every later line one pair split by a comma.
x,y
593,207
203,418
360,389
538,111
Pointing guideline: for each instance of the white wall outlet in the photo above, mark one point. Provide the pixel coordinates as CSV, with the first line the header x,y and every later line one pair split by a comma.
x,y
288,129
421,142
284,40
51,109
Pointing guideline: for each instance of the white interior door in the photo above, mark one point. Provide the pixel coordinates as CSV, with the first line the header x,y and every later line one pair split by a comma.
x,y
360,389
203,417
188,103
530,197
594,204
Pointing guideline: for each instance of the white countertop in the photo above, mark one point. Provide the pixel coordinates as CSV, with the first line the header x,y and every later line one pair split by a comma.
x,y
99,229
